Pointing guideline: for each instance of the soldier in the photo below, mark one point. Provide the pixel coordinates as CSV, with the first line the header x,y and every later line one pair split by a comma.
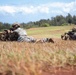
x,y
22,33
6,35
71,35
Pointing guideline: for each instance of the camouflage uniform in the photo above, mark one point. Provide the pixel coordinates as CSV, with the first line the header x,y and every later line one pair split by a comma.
x,y
23,36
71,35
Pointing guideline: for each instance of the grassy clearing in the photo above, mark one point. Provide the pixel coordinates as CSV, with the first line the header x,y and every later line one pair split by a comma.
x,y
53,31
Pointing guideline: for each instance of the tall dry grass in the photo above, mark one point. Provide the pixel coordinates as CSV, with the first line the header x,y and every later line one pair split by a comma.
x,y
21,58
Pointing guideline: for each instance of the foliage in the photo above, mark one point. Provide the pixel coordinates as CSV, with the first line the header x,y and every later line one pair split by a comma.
x,y
4,26
69,19
74,19
45,25
58,20
64,24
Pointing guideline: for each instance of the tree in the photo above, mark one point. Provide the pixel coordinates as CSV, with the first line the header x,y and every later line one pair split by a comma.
x,y
45,25
74,19
1,24
6,26
69,18
58,20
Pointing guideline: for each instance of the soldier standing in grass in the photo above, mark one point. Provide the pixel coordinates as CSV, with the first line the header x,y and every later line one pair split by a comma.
x,y
22,33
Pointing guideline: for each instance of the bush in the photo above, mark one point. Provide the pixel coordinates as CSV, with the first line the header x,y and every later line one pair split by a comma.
x,y
64,24
45,25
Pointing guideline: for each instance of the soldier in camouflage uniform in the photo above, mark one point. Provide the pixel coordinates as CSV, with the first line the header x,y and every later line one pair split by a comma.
x,y
71,35
22,34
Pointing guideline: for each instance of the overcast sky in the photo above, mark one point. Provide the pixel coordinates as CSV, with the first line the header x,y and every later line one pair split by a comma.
x,y
32,10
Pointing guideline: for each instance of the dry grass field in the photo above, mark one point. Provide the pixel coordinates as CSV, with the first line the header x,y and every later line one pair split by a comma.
x,y
21,58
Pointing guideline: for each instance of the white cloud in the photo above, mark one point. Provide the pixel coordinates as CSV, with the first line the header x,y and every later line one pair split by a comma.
x,y
69,7
8,9
42,9
26,10
56,7
65,7
57,11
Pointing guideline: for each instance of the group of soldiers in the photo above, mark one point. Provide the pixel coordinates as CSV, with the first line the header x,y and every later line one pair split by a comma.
x,y
16,33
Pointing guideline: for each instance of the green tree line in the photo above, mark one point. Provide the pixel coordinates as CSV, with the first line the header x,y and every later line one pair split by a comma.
x,y
58,20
